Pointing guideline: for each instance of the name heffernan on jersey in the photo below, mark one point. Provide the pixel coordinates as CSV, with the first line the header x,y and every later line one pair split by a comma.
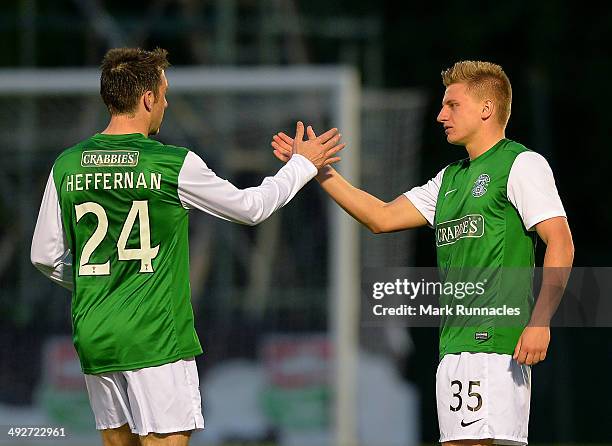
x,y
113,180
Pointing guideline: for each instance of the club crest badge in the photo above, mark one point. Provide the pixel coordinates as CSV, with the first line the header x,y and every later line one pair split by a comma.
x,y
480,185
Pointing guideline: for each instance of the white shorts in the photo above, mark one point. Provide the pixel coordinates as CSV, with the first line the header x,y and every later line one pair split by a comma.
x,y
162,399
483,395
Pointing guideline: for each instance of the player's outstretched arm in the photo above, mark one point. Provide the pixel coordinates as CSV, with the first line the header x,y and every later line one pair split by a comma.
x,y
533,343
378,216
200,188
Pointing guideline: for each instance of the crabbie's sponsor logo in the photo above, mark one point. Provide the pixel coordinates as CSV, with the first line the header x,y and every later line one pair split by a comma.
x,y
109,158
448,232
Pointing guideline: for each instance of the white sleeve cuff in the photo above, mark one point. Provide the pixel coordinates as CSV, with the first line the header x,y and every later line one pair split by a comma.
x,y
530,224
306,164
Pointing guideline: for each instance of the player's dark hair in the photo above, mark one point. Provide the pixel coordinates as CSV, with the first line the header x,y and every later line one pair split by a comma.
x,y
127,73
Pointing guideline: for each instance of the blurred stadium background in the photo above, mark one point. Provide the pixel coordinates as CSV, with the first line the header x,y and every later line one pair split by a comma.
x,y
264,297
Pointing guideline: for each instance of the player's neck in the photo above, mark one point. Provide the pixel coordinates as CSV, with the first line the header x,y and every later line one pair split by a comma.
x,y
483,142
125,124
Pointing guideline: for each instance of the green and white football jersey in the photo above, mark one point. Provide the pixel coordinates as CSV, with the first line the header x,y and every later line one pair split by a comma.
x,y
483,212
119,204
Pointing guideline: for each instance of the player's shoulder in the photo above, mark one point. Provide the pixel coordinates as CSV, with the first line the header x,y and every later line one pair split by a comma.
x,y
72,151
516,156
514,148
146,146
524,156
168,150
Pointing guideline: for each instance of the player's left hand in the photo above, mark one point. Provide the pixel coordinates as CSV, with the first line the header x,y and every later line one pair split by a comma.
x,y
283,146
532,345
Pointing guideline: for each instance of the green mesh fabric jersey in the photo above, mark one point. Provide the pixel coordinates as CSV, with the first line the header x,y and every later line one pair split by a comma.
x,y
119,204
484,212
127,232
480,237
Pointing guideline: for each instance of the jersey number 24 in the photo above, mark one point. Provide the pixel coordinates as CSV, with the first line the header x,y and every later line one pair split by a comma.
x,y
146,254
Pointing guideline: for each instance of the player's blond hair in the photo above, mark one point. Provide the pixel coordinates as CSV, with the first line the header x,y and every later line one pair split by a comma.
x,y
485,80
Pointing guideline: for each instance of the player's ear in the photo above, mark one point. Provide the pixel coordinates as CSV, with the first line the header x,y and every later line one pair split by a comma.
x,y
488,107
148,99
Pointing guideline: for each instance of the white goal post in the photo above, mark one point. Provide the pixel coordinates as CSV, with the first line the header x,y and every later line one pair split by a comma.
x,y
343,85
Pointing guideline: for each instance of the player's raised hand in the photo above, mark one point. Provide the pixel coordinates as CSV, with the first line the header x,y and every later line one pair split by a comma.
x,y
320,150
283,144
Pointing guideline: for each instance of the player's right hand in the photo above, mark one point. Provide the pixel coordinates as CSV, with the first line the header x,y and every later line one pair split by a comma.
x,y
320,150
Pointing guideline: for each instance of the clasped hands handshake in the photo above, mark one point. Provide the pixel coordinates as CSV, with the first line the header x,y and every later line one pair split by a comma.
x,y
320,150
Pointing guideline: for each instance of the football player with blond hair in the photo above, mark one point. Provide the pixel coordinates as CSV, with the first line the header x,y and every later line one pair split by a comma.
x,y
487,211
